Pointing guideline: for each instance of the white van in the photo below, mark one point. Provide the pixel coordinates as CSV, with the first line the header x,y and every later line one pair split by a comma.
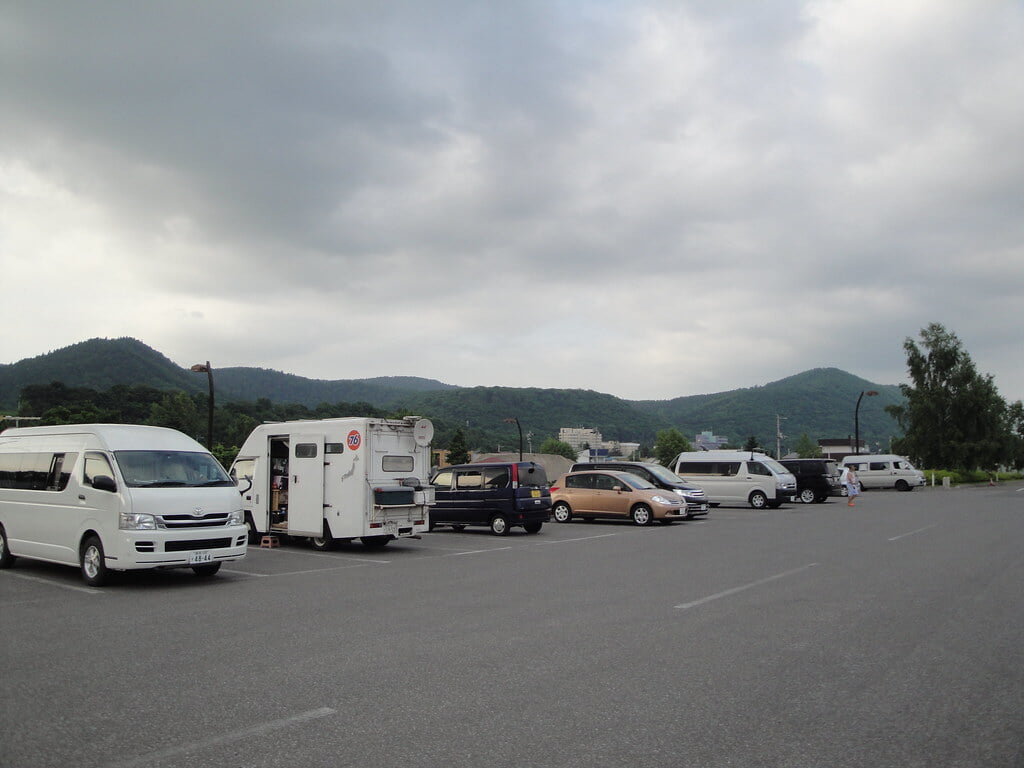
x,y
743,477
116,497
337,479
885,470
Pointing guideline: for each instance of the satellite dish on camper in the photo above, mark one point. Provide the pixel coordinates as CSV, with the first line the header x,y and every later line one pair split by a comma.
x,y
423,432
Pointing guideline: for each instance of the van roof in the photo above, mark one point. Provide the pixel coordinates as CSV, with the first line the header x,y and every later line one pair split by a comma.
x,y
115,437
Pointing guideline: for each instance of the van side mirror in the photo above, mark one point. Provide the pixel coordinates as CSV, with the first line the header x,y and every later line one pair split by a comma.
x,y
104,483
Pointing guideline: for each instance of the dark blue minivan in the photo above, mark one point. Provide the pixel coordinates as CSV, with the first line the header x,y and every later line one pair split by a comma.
x,y
499,495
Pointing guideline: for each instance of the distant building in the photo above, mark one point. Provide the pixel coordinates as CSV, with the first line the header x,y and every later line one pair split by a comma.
x,y
839,449
577,437
706,441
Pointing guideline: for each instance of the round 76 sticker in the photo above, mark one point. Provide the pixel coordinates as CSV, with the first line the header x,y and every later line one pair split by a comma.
x,y
354,440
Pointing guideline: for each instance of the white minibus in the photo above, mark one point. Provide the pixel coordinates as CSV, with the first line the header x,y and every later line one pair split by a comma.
x,y
743,477
885,470
116,497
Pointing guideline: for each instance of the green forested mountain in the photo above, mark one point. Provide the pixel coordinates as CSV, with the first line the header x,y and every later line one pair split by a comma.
x,y
819,402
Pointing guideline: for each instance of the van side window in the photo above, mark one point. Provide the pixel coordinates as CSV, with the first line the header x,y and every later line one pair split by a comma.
x,y
442,479
60,472
472,478
305,450
876,465
496,477
729,469
757,468
96,465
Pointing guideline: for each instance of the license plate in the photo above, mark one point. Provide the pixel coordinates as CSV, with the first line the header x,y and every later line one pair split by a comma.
x,y
194,558
535,494
391,527
703,507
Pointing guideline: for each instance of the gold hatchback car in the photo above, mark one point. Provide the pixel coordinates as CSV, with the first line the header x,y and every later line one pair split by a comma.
x,y
609,494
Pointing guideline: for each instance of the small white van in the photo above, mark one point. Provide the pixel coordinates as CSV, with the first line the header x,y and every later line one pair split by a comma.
x,y
743,477
116,497
885,470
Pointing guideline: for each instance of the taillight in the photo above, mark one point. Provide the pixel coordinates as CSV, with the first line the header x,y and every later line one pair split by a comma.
x,y
515,475
554,488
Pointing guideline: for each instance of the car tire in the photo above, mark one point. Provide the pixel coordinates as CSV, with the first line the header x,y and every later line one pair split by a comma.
x,y
533,527
252,536
92,561
758,500
808,496
902,485
6,558
561,512
499,525
642,514
324,542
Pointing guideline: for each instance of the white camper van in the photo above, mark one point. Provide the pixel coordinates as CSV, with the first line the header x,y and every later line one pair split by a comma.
x,y
885,470
116,497
349,478
743,477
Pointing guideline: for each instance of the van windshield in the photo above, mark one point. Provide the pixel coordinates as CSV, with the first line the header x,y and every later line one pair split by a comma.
x,y
775,467
170,469
662,473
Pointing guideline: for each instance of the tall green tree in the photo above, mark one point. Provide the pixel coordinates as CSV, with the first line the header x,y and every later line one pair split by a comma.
x,y
558,448
458,453
953,417
806,448
669,443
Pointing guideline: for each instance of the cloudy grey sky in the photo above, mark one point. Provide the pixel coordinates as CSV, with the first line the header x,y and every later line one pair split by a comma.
x,y
646,198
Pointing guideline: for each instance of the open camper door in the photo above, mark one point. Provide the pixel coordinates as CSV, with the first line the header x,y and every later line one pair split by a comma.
x,y
306,485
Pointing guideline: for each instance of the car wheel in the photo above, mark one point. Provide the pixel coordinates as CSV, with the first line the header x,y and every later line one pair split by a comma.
x,y
902,485
6,558
375,542
499,525
561,512
94,566
807,496
458,527
206,571
758,500
324,542
533,527
642,514
252,535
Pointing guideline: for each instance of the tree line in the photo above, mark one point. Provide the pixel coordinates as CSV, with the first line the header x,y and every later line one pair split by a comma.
x,y
952,416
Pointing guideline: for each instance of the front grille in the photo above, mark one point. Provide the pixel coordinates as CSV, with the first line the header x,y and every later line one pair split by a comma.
x,y
145,546
214,519
185,546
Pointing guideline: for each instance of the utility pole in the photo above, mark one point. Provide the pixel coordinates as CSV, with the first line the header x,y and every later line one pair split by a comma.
x,y
779,435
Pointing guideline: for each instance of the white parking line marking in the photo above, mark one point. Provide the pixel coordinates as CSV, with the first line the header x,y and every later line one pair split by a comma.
x,y
751,585
476,552
911,533
582,538
87,590
214,741
338,556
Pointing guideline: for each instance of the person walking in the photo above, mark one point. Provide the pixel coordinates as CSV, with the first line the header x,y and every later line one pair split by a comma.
x,y
851,484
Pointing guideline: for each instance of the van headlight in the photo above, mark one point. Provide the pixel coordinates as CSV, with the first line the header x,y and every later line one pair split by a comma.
x,y
136,521
236,517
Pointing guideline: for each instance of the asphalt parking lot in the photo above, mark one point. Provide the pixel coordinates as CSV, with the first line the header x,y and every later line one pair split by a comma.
x,y
884,635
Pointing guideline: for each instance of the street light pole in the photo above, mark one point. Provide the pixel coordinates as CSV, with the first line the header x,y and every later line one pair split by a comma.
x,y
208,370
515,420
856,419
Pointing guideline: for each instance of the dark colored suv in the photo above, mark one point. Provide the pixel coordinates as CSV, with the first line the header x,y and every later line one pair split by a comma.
x,y
500,496
657,475
816,479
